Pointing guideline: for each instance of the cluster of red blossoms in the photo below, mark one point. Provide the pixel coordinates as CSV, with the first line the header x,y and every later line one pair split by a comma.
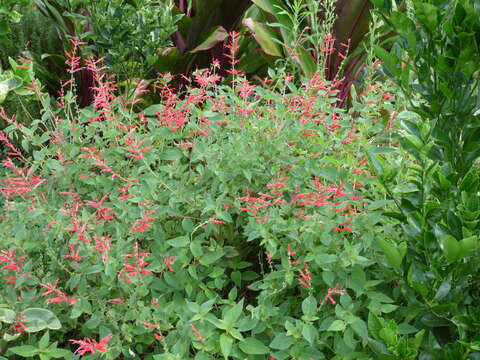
x,y
61,296
330,195
11,263
90,345
136,267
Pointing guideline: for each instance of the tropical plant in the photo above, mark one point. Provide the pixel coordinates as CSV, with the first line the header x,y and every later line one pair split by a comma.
x,y
327,38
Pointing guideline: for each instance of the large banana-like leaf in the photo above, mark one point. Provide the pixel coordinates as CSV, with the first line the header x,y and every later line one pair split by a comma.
x,y
203,30
265,37
351,26
277,10
213,37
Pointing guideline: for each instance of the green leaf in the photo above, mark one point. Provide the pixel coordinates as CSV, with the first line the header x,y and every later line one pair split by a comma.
x,y
309,306
281,342
427,15
59,353
211,257
36,319
360,328
337,325
390,61
306,61
253,346
444,289
264,36
417,341
451,247
309,333
393,253
24,351
212,37
226,343
468,246
375,324
43,343
377,165
178,242
151,110
233,314
7,315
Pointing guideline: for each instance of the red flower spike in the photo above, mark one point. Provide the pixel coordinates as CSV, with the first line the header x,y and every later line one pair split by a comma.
x,y
91,346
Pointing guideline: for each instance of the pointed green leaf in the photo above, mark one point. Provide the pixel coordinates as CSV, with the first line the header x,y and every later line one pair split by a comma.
x,y
264,36
233,314
451,247
253,346
281,342
468,246
226,343
213,37
377,165
306,61
393,254
24,351
43,343
337,325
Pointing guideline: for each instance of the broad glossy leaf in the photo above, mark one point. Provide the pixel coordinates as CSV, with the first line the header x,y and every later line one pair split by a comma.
x,y
393,253
213,37
451,247
468,246
37,319
7,315
264,36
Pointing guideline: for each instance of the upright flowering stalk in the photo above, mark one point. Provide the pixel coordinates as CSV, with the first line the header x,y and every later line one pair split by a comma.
x,y
103,91
91,346
136,267
233,47
330,292
61,296
143,223
102,246
9,262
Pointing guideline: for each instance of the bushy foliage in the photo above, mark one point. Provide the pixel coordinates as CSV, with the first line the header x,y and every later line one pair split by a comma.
x,y
231,221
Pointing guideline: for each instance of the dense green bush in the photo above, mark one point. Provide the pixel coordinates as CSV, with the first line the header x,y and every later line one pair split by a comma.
x,y
235,221
435,66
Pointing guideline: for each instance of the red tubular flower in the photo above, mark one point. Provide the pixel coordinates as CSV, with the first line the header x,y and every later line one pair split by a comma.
x,y
199,336
19,327
89,345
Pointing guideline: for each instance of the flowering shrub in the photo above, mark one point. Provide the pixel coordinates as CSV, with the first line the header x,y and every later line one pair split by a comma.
x,y
230,221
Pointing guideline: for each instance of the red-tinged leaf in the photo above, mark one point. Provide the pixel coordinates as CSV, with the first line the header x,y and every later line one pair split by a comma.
x,y
265,37
213,37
